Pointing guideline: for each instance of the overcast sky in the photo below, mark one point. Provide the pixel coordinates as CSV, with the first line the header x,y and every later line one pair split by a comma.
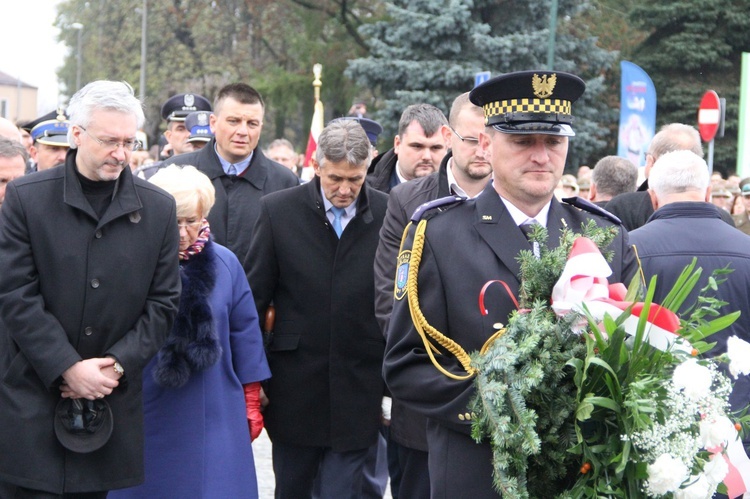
x,y
30,50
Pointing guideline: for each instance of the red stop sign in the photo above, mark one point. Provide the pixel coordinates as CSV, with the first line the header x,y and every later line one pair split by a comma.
x,y
709,115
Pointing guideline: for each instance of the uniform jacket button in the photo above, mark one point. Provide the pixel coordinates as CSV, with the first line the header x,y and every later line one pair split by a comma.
x,y
88,331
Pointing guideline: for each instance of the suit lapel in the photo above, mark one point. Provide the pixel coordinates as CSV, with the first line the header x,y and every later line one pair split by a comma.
x,y
495,225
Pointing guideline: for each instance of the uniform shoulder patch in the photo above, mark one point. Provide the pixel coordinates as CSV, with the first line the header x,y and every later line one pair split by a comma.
x,y
440,203
590,207
402,274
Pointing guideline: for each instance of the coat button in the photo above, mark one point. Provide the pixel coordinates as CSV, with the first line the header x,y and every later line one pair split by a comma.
x,y
98,234
88,331
461,417
94,283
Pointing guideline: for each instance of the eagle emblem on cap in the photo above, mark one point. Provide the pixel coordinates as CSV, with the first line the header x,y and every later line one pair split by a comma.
x,y
543,85
189,100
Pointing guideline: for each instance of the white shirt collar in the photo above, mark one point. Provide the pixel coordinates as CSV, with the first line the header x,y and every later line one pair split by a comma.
x,y
520,217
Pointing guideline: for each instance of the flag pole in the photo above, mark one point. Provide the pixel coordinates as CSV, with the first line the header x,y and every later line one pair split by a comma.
x,y
318,121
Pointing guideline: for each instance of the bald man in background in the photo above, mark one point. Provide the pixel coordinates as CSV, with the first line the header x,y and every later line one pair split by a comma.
x,y
9,130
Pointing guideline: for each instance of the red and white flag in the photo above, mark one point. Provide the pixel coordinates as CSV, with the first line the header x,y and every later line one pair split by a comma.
x,y
318,122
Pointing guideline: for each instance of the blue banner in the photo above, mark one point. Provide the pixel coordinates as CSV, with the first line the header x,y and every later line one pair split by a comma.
x,y
637,113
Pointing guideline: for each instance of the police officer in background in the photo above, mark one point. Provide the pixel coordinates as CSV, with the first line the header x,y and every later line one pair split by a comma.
x,y
174,111
197,125
49,135
470,242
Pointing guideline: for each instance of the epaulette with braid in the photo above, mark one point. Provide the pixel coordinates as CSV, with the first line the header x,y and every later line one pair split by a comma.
x,y
440,204
590,207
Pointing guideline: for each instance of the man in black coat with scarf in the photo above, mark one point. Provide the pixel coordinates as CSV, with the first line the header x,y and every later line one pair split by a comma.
x,y
311,256
88,291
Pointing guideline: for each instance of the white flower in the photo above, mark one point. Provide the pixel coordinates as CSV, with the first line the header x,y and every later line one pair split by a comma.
x,y
716,469
738,352
716,431
694,378
698,488
666,474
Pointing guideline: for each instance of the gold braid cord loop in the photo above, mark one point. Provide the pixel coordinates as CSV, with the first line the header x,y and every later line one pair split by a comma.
x,y
425,330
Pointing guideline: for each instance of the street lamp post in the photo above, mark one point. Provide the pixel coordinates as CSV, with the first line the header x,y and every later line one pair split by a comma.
x,y
144,47
79,54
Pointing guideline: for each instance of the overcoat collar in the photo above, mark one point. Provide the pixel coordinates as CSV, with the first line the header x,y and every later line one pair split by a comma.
x,y
498,229
125,199
256,173
316,199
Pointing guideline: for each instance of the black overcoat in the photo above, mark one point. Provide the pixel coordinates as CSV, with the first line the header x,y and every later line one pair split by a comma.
x,y
233,215
466,246
73,287
327,349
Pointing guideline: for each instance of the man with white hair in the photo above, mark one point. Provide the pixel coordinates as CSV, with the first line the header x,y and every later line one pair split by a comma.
x,y
88,291
684,226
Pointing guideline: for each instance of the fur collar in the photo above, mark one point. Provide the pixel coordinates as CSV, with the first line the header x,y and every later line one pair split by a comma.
x,y
193,344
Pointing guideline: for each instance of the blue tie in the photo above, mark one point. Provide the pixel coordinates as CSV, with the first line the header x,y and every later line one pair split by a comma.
x,y
232,170
337,212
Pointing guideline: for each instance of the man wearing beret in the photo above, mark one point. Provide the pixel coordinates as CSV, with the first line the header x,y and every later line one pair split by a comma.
x,y
237,167
467,243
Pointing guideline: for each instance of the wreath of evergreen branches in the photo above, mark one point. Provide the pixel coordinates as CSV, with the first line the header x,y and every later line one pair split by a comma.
x,y
526,398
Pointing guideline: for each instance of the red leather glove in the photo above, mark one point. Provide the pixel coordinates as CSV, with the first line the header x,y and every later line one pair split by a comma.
x,y
252,407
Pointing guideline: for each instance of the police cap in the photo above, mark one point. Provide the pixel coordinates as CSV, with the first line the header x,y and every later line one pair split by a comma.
x,y
372,128
529,102
51,129
197,123
179,106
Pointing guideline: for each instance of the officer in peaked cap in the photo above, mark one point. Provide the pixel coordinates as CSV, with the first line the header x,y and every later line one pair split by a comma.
x,y
459,245
49,134
530,102
199,128
174,111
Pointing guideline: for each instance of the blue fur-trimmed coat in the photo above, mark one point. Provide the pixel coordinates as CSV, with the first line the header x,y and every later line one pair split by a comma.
x,y
197,436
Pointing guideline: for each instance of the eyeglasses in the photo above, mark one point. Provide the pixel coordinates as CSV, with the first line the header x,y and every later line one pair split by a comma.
x,y
187,224
111,144
471,141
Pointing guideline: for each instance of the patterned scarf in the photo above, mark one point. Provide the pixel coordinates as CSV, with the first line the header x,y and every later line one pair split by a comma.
x,y
203,233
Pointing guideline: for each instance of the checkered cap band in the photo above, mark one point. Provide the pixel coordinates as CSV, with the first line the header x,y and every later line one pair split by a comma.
x,y
527,106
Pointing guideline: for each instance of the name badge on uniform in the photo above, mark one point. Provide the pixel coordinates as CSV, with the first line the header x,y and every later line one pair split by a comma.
x,y
402,274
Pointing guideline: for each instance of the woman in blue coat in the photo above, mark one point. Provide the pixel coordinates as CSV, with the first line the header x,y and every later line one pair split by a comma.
x,y
202,391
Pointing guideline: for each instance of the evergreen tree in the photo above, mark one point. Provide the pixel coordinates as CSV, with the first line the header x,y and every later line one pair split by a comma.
x,y
429,50
694,46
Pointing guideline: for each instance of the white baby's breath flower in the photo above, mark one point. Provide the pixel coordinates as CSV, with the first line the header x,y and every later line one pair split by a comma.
x,y
716,469
738,352
693,378
698,488
666,474
716,431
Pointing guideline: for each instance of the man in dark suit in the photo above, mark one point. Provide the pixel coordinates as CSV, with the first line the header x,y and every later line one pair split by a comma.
x,y
417,149
236,166
476,241
464,171
311,255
